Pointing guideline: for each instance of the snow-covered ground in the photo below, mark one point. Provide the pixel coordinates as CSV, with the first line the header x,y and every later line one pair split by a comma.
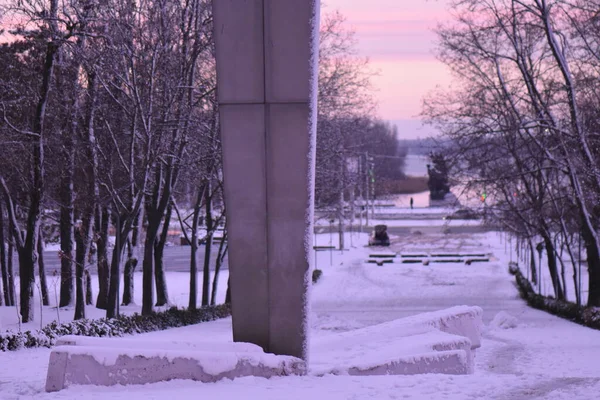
x,y
178,285
525,353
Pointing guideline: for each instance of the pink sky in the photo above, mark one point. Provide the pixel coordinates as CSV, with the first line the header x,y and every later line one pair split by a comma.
x,y
397,37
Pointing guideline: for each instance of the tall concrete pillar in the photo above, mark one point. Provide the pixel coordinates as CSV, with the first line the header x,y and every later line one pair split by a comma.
x,y
267,53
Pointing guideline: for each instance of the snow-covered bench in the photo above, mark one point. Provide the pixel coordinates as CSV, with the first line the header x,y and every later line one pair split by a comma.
x,y
95,361
437,342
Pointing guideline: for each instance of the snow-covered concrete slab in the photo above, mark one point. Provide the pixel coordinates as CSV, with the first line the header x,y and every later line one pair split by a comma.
x,y
437,342
102,362
130,343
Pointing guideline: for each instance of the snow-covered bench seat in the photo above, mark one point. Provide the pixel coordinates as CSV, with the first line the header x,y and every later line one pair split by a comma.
x,y
95,361
437,342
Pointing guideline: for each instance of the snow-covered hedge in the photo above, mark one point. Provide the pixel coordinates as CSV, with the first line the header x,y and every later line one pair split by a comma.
x,y
588,316
121,326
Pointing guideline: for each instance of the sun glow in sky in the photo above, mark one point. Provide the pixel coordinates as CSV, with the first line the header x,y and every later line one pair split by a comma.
x,y
397,36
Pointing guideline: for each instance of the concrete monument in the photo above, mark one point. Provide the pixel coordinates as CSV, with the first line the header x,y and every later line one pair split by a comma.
x,y
267,53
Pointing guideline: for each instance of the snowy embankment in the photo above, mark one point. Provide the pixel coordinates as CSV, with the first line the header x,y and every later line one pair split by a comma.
x,y
575,275
524,354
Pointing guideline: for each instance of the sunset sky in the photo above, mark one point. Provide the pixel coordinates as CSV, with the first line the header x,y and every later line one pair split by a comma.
x,y
397,37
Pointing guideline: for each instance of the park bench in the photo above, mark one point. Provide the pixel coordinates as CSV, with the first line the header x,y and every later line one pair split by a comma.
x,y
381,258
426,259
476,260
380,262
323,248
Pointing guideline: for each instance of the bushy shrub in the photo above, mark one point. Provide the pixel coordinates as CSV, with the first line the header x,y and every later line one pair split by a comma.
x,y
588,316
316,275
120,326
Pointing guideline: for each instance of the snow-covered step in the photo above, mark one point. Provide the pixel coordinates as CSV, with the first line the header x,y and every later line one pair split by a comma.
x,y
108,362
438,342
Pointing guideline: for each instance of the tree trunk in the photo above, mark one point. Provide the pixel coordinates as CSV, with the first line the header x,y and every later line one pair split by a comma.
x,y
102,221
10,272
220,257
79,279
228,293
27,261
67,222
193,299
208,245
156,207
27,245
67,256
576,285
148,268
160,281
129,270
553,268
340,208
42,271
562,269
162,294
532,265
3,293
6,294
132,262
593,261
83,235
112,307
89,293
92,185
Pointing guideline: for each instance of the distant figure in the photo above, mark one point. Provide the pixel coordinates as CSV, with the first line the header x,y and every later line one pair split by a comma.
x,y
411,203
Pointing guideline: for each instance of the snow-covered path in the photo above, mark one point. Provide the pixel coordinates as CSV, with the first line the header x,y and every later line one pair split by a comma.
x,y
525,353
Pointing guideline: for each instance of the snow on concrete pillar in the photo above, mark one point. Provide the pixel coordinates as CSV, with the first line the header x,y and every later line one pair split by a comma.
x,y
267,52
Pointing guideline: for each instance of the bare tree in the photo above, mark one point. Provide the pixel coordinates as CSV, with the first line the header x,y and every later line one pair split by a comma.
x,y
519,107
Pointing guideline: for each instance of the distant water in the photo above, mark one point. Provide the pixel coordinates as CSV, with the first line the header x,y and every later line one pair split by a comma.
x,y
416,165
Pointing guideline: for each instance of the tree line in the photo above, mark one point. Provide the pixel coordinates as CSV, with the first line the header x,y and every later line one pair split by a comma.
x,y
353,147
109,131
523,122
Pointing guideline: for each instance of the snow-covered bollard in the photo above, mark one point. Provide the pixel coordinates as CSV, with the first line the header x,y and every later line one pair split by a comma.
x,y
107,362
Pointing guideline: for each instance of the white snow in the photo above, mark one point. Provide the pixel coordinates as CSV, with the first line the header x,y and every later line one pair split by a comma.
x,y
212,362
504,320
540,357
340,352
145,343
